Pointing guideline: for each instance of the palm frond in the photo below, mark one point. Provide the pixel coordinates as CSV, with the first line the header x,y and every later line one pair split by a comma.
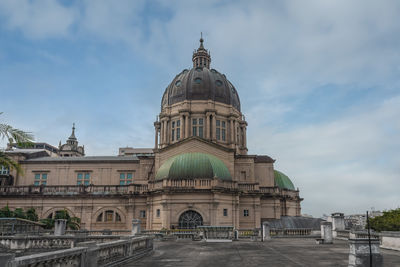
x,y
9,163
20,137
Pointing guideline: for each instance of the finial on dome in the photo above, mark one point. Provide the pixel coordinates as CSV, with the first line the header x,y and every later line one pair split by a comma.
x,y
201,57
201,40
73,132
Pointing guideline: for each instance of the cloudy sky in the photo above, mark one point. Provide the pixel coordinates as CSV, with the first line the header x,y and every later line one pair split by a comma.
x,y
319,82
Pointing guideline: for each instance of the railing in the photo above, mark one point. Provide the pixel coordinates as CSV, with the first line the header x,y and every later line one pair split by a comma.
x,y
71,190
249,187
291,232
105,254
49,241
344,234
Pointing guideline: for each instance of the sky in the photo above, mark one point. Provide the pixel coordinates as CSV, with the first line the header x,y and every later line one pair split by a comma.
x,y
319,82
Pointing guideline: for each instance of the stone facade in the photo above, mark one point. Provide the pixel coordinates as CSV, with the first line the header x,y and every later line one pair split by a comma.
x,y
107,192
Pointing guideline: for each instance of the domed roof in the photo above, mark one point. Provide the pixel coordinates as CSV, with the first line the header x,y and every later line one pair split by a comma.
x,y
283,181
192,166
201,83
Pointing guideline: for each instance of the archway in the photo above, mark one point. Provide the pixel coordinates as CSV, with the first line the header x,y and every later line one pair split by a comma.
x,y
190,219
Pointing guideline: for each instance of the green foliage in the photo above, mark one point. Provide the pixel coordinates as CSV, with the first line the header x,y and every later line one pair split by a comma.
x,y
19,213
29,214
6,212
32,215
389,221
73,223
13,135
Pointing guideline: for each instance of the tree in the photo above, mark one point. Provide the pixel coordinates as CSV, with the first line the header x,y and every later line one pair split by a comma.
x,y
17,136
32,215
389,221
73,223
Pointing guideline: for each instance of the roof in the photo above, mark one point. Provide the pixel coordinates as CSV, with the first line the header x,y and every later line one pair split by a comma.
x,y
97,159
200,83
192,166
283,181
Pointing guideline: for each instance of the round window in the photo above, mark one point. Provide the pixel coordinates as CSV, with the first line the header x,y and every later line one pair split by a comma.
x,y
197,80
199,69
178,83
218,83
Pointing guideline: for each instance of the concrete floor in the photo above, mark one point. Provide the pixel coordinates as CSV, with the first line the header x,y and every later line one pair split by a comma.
x,y
277,252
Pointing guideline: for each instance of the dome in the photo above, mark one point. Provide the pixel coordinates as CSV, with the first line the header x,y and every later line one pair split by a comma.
x,y
201,83
192,166
283,181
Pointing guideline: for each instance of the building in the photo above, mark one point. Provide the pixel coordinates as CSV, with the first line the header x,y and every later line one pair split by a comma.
x,y
198,173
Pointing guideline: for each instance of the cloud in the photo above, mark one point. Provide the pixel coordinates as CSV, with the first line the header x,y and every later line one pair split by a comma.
x,y
38,19
347,164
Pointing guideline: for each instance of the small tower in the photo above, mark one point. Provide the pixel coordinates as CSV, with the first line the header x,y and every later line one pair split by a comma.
x,y
71,148
201,56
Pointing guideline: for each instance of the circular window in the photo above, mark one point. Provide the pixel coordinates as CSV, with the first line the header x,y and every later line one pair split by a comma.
x,y
213,71
185,71
218,83
197,80
199,69
178,83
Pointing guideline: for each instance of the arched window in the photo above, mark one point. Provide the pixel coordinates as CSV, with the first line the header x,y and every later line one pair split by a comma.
x,y
190,219
109,216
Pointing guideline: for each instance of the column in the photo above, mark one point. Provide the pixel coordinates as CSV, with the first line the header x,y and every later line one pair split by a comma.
x,y
187,125
231,132
213,127
207,128
156,137
236,134
326,232
181,127
165,132
244,137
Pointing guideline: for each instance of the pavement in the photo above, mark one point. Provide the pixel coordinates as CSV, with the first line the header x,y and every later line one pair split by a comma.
x,y
276,252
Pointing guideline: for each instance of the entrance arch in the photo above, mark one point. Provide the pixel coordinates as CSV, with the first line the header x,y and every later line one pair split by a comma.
x,y
190,219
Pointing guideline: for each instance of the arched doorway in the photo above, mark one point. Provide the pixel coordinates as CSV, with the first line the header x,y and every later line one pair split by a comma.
x,y
190,219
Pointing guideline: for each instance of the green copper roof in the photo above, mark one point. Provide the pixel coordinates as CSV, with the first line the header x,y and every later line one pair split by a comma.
x,y
193,165
282,181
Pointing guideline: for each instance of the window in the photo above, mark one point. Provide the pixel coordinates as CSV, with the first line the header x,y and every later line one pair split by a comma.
x,y
83,178
109,216
142,214
4,170
220,130
40,179
158,212
197,127
242,175
176,129
225,212
125,178
246,213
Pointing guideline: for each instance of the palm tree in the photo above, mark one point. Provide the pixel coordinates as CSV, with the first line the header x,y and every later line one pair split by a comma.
x,y
17,136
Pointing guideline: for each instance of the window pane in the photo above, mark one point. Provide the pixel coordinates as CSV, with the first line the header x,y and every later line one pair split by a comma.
x,y
109,216
79,182
80,175
200,131
218,123
194,122
128,182
122,182
86,182
178,133
36,183
117,217
87,175
223,134
194,131
178,123
201,121
44,183
44,176
99,218
173,135
223,124
122,176
173,124
37,176
129,175
218,134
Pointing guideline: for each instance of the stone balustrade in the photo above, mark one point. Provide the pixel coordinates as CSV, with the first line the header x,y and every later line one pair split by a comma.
x,y
49,241
192,184
111,253
390,240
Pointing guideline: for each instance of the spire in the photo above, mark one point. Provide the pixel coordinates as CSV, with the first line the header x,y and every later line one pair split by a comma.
x,y
201,57
72,137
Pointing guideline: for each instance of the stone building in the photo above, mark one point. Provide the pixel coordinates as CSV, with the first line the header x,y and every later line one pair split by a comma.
x,y
198,173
